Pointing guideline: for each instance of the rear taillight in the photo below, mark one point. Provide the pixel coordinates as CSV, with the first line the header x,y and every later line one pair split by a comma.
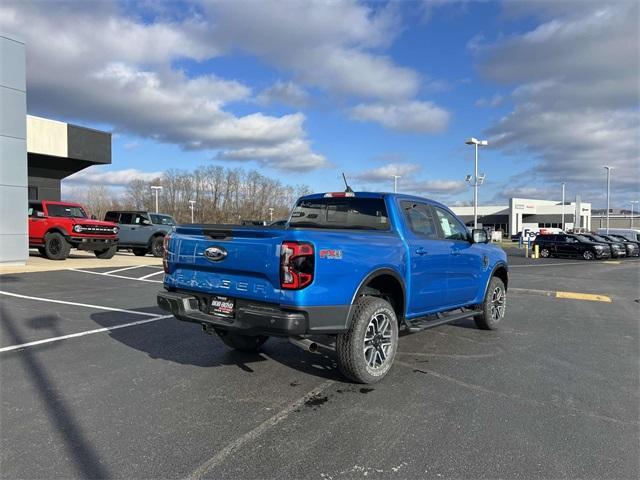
x,y
165,253
296,265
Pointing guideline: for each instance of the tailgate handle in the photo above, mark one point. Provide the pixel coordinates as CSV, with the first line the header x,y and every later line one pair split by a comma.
x,y
217,234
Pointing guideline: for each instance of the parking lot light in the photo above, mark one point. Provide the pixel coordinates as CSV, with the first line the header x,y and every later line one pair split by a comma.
x,y
632,202
156,188
482,143
608,169
563,185
192,207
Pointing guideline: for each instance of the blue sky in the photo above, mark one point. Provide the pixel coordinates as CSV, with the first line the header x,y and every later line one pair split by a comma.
x,y
302,91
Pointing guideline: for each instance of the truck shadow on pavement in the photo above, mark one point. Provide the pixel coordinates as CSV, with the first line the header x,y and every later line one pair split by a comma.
x,y
185,343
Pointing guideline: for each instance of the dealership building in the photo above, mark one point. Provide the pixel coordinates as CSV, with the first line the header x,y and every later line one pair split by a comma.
x,y
35,153
527,213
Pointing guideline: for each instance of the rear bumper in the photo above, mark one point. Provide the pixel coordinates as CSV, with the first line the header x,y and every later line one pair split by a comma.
x,y
259,318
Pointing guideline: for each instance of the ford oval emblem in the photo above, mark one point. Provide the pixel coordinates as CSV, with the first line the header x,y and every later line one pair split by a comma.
x,y
215,254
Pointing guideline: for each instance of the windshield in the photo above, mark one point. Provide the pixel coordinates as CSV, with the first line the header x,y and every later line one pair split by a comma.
x,y
340,213
598,238
582,238
162,219
69,211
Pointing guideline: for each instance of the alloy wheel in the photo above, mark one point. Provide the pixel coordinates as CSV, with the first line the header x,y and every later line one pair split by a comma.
x,y
498,302
377,340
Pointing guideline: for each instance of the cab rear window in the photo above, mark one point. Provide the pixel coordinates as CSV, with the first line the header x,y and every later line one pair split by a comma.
x,y
340,213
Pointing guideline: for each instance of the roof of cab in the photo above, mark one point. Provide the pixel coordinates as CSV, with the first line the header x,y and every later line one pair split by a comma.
x,y
401,196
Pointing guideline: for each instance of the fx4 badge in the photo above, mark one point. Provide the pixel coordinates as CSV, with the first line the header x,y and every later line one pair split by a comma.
x,y
330,254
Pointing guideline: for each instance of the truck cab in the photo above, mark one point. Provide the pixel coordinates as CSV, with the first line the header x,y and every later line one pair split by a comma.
x,y
57,227
141,231
354,266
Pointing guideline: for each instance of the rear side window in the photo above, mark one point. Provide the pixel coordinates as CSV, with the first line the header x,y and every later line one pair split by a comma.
x,y
111,217
126,218
35,209
419,217
340,213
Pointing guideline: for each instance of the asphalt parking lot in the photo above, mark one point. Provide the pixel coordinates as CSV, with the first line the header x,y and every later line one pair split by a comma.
x,y
97,382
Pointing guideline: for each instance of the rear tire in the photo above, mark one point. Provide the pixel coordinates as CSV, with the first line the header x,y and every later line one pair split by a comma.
x,y
106,254
157,249
494,305
140,252
366,351
56,246
242,343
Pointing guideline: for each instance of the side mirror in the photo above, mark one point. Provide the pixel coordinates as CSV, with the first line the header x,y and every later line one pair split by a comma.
x,y
479,235
146,222
93,217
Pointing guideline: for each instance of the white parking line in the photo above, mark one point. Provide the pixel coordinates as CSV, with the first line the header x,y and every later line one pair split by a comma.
x,y
81,334
150,275
104,274
127,268
75,304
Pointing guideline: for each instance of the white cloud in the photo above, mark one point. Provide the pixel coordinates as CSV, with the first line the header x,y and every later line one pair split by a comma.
x,y
575,77
87,62
385,172
435,187
98,175
293,155
411,116
326,44
287,93
494,101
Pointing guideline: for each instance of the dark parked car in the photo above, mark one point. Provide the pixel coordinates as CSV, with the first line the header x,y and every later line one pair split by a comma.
x,y
564,245
617,248
632,248
141,231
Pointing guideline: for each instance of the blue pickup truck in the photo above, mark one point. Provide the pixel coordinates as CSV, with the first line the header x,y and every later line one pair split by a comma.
x,y
356,266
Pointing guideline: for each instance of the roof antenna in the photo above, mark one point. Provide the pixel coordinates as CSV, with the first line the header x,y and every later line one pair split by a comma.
x,y
348,189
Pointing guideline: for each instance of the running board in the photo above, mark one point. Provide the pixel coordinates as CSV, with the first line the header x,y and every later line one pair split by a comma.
x,y
422,324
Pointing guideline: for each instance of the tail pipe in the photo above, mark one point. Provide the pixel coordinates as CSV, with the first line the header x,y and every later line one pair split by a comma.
x,y
304,344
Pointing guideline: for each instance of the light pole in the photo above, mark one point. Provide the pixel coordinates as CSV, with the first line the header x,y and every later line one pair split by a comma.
x,y
192,207
563,206
608,169
632,202
395,182
482,143
156,188
270,214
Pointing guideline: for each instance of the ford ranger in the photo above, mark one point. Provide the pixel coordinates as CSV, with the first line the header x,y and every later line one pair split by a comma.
x,y
356,266
56,227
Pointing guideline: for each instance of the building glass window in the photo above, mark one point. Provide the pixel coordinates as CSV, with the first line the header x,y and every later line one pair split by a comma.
x,y
33,193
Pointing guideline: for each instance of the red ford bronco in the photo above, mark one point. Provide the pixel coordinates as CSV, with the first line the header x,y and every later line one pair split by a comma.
x,y
56,227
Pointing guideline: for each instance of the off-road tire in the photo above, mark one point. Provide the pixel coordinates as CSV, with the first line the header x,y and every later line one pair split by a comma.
x,y
242,343
487,320
140,252
156,247
107,253
56,246
352,361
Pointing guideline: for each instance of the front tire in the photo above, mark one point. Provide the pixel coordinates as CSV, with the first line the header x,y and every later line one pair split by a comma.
x,y
366,351
106,254
242,343
545,253
157,249
588,255
494,306
56,246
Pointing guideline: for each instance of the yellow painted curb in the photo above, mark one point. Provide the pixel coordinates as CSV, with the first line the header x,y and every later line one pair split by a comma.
x,y
583,296
612,262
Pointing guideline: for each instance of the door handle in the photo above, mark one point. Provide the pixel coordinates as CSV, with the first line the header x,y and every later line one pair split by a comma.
x,y
421,251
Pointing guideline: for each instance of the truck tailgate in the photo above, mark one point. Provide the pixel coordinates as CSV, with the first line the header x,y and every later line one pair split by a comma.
x,y
250,268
